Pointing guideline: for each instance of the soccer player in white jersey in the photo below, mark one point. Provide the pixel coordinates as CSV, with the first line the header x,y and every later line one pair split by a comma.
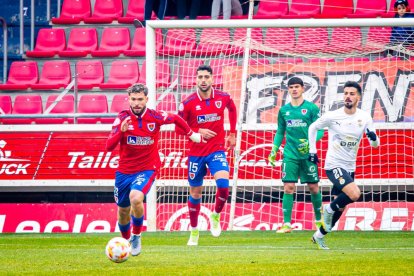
x,y
346,127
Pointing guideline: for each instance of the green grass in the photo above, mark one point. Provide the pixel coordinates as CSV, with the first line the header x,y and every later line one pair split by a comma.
x,y
234,253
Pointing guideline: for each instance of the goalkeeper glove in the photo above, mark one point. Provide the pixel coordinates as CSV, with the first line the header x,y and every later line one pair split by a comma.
x,y
371,135
313,157
272,156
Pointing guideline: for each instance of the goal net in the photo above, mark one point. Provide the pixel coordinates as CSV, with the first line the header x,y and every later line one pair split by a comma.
x,y
252,60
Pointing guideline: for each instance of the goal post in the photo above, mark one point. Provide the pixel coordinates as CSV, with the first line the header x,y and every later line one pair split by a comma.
x,y
252,60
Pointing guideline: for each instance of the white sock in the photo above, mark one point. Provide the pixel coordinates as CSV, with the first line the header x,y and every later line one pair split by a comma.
x,y
329,209
318,234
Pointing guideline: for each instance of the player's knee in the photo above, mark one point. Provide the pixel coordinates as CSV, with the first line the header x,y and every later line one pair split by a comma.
x,y
196,192
222,183
289,188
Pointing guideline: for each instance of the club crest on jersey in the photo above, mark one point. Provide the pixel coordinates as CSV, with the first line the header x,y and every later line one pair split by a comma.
x,y
304,111
151,126
192,175
218,104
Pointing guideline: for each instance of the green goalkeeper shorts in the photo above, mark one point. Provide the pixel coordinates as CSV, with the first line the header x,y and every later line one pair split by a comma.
x,y
293,169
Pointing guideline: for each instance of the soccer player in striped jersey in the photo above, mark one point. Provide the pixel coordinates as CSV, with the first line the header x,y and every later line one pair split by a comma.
x,y
137,130
204,112
294,120
346,127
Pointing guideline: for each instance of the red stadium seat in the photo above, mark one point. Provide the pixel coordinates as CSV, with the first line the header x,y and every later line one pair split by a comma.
x,y
92,103
114,41
65,106
213,42
119,102
304,9
369,9
336,9
218,65
345,40
5,104
22,75
123,73
73,12
377,38
179,42
55,75
239,36
82,41
163,73
311,40
25,104
279,39
135,11
105,11
90,74
138,43
271,9
49,43
187,72
168,103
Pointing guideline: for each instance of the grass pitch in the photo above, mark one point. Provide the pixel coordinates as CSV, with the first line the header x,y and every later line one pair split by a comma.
x,y
233,253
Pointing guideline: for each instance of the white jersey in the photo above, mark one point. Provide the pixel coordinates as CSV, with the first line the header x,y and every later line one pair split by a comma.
x,y
345,133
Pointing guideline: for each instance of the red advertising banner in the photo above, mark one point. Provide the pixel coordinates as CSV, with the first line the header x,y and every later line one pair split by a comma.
x,y
101,218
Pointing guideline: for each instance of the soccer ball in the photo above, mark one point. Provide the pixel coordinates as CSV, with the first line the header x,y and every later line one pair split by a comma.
x,y
118,250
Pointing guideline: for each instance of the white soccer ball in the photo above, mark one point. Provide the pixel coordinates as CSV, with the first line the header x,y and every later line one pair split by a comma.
x,y
118,250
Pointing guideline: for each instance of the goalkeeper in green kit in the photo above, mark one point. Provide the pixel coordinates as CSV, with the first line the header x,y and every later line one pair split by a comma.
x,y
294,119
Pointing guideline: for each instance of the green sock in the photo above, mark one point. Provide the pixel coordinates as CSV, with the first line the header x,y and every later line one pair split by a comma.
x,y
317,203
287,206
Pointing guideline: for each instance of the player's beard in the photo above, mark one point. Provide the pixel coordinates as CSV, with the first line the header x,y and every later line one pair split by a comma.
x,y
349,105
204,90
138,113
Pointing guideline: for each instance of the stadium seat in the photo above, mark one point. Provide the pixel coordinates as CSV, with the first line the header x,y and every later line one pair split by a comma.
x,y
213,42
25,104
279,39
218,66
55,75
92,103
5,104
90,74
105,11
304,9
187,72
344,40
22,75
377,38
271,9
336,9
73,12
138,43
135,10
369,9
122,74
163,73
114,41
65,106
239,36
311,40
49,42
168,103
82,41
179,42
119,102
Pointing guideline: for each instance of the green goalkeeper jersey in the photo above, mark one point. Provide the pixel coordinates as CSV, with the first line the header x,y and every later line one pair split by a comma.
x,y
295,122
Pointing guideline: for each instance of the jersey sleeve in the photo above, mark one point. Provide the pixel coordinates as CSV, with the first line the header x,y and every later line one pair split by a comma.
x,y
183,114
370,126
181,125
232,115
281,128
316,126
116,133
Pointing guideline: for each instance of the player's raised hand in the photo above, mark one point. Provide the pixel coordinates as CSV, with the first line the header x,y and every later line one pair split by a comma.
x,y
230,141
206,133
272,156
371,135
313,157
125,124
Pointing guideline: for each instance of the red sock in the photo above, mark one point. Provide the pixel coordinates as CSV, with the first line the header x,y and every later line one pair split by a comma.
x,y
136,230
126,235
221,198
193,210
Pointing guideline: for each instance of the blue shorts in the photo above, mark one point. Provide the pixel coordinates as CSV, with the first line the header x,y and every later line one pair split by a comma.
x,y
197,166
339,178
124,183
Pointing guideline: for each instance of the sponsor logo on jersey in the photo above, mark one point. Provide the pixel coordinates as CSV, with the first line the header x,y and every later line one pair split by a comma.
x,y
218,104
208,118
295,123
137,140
287,113
151,126
198,107
304,111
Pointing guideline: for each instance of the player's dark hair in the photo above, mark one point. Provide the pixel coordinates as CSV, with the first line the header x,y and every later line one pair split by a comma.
x,y
205,68
138,88
295,80
355,85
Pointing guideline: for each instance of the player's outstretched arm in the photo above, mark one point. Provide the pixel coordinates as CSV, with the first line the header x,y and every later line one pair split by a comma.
x,y
118,128
182,127
372,137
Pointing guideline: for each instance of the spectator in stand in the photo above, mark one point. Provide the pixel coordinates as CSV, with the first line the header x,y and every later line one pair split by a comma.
x,y
401,36
159,6
194,8
230,7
